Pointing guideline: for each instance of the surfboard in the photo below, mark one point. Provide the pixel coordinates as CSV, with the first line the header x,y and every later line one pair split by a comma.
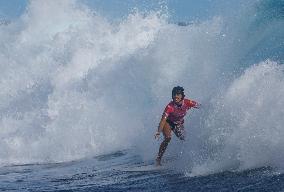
x,y
144,168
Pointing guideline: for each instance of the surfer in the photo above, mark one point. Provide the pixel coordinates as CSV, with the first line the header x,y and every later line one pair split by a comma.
x,y
173,119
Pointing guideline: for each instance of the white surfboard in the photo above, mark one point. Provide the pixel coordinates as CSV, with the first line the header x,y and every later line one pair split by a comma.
x,y
143,168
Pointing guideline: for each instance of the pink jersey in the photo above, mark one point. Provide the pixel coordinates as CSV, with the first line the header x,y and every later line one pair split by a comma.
x,y
176,113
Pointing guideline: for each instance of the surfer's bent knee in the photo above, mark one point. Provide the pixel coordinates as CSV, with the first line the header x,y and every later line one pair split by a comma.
x,y
167,139
182,137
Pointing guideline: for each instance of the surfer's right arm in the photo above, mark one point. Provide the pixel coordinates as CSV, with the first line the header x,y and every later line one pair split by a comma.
x,y
162,123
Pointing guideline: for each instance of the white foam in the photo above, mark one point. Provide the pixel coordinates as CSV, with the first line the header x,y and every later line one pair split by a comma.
x,y
244,127
59,100
74,84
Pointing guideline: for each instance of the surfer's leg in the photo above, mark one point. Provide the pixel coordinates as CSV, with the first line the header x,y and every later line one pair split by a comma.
x,y
167,138
179,132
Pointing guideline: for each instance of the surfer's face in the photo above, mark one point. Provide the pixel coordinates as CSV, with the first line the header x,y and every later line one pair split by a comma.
x,y
178,98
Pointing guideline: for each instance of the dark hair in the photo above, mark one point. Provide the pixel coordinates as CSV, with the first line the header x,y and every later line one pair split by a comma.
x,y
178,90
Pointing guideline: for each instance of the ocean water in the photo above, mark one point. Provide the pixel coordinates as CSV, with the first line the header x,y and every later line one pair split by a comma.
x,y
82,95
110,172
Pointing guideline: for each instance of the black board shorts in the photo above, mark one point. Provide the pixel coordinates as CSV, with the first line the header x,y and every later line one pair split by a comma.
x,y
178,129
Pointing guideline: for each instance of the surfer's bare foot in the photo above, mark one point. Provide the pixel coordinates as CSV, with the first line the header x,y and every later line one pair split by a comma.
x,y
158,162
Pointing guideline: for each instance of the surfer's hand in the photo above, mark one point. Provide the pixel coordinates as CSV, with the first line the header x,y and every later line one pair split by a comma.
x,y
198,105
157,135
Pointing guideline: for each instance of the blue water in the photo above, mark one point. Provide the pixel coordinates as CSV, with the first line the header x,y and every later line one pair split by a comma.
x,y
106,173
82,94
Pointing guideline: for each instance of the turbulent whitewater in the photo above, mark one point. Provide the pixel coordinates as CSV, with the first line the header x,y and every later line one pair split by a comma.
x,y
75,84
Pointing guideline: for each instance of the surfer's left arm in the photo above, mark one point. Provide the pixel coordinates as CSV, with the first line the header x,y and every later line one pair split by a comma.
x,y
194,104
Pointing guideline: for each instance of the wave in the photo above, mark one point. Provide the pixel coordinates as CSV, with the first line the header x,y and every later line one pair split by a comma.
x,y
74,84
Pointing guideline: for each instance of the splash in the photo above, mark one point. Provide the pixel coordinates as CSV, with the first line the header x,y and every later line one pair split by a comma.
x,y
74,84
244,128
59,98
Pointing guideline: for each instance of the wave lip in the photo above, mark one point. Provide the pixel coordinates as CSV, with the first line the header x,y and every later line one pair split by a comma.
x,y
246,124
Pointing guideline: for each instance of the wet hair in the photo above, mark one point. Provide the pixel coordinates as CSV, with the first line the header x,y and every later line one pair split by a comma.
x,y
178,90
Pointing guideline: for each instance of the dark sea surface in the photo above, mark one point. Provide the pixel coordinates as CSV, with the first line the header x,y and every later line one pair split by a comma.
x,y
109,173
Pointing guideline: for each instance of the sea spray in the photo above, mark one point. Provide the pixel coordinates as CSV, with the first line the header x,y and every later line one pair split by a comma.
x,y
76,85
